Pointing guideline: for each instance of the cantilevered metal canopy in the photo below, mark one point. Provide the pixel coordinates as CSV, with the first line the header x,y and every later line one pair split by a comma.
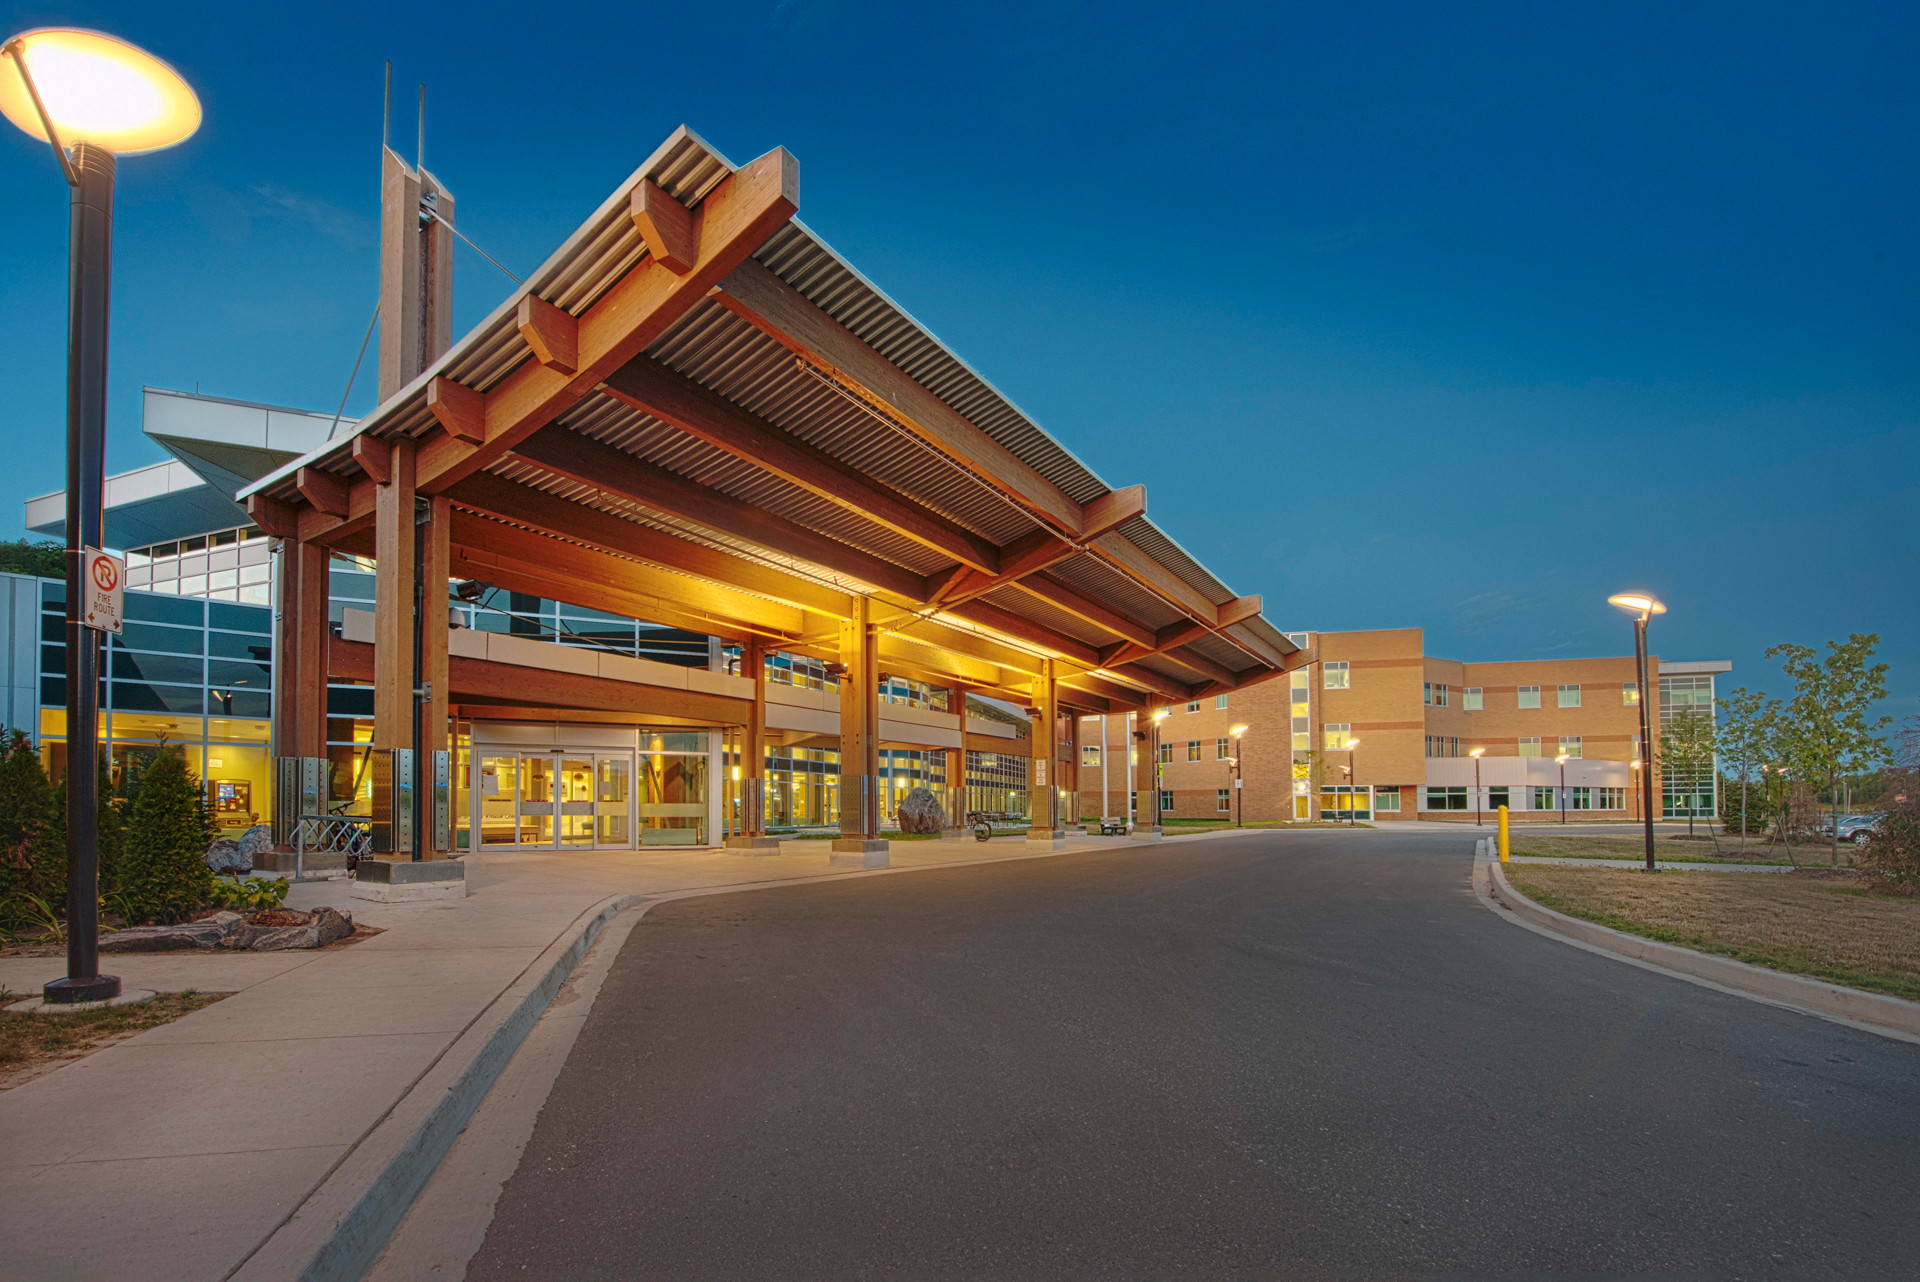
x,y
698,414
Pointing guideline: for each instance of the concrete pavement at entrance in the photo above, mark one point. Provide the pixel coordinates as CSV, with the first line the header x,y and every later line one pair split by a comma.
x,y
178,1153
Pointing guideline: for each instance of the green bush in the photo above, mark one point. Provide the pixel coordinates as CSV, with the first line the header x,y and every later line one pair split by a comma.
x,y
248,895
163,873
1892,857
27,847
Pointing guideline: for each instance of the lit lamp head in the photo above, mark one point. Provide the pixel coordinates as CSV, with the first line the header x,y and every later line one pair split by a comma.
x,y
1237,731
95,89
1162,715
1352,744
1560,760
1640,603
1477,753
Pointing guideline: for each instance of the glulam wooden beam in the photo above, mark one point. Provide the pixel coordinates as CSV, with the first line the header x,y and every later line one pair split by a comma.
x,y
654,389
616,472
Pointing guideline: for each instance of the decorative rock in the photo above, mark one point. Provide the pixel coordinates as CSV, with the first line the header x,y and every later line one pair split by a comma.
x,y
208,932
273,939
224,856
921,811
254,842
332,924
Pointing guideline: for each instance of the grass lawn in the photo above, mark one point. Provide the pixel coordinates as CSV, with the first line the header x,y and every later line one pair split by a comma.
x,y
31,1045
1630,846
1827,927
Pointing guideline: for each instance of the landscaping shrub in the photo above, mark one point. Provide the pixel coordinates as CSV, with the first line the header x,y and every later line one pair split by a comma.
x,y
163,873
1892,858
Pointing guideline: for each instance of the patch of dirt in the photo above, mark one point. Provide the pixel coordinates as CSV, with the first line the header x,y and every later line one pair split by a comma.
x,y
1823,922
34,1045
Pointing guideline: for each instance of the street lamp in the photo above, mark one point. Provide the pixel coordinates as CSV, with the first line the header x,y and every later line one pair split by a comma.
x,y
1239,805
1353,781
1643,606
1154,774
1561,761
90,97
1476,754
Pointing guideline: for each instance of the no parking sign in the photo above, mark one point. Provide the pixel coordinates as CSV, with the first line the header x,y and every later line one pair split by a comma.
x,y
104,579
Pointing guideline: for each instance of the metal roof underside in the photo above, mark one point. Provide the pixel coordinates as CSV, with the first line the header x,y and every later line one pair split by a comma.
x,y
724,353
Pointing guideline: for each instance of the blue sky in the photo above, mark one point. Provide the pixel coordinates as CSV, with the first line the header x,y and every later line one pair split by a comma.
x,y
1451,315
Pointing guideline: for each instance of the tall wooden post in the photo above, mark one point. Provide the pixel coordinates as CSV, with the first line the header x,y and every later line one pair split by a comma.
x,y
1070,769
1146,775
1044,797
434,734
395,620
752,837
300,652
416,272
860,844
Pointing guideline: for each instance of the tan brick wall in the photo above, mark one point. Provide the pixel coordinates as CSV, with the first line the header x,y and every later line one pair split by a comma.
x,y
1384,705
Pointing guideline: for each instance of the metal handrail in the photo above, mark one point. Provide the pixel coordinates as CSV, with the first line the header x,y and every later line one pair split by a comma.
x,y
350,835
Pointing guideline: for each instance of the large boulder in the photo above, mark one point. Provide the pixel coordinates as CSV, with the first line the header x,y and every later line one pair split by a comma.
x,y
255,842
332,924
209,932
224,856
292,928
921,811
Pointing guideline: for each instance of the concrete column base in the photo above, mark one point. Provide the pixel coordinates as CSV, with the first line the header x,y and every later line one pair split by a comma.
x,y
860,852
1146,834
403,881
754,845
281,861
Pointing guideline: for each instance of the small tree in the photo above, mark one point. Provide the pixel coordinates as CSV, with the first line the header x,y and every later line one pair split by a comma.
x,y
43,558
25,814
163,873
1892,859
1745,741
1825,730
1686,752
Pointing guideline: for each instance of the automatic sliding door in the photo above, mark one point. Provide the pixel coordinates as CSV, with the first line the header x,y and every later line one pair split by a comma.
x,y
613,800
576,801
536,800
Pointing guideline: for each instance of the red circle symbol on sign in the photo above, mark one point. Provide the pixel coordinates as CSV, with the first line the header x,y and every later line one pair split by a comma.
x,y
105,576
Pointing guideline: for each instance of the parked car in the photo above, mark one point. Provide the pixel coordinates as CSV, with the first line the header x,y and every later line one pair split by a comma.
x,y
1855,828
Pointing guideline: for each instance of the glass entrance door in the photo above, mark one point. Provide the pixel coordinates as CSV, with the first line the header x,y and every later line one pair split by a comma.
x,y
554,800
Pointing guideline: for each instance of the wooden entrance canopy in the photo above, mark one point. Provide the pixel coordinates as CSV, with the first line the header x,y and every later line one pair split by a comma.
x,y
697,414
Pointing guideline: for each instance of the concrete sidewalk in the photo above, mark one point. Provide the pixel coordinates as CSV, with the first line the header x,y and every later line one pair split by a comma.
x,y
189,1151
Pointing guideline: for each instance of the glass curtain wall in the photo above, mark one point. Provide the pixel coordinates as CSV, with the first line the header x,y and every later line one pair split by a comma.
x,y
1684,793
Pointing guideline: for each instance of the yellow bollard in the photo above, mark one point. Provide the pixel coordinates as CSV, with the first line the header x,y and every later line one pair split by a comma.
x,y
1505,842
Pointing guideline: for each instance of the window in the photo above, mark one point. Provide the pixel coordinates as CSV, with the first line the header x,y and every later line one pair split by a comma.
x,y
1442,746
1445,799
1610,799
1224,802
1302,734
1434,694
1570,745
1194,706
1530,747
1166,753
1166,801
1498,797
1387,799
1569,696
1529,696
1221,750
1089,754
1337,735
1219,700
1193,750
1543,799
1630,693
1580,799
1334,676
1470,699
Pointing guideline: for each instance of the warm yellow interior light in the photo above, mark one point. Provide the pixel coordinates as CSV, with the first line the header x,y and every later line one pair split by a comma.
x,y
96,89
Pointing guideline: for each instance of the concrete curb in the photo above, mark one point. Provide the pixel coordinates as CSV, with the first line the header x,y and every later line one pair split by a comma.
x,y
339,1230
1875,1012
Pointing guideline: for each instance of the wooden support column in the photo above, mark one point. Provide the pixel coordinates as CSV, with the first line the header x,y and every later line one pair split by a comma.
x,y
300,652
752,837
1044,797
956,766
435,733
394,531
860,844
1146,774
1070,771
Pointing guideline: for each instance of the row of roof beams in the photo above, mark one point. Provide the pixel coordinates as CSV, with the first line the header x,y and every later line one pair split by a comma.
x,y
697,412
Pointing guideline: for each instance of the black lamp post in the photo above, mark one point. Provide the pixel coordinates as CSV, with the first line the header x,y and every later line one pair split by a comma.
x,y
1561,761
1238,734
1476,754
1643,606
1353,781
91,98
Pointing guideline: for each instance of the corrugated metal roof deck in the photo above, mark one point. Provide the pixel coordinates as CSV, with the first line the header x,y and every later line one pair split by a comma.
x,y
731,357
